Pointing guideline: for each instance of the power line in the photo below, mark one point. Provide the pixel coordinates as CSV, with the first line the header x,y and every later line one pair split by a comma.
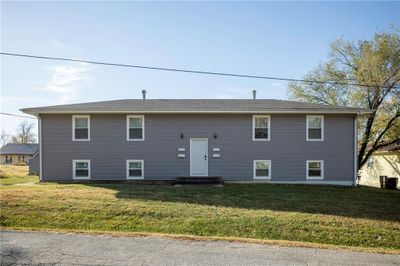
x,y
182,70
23,116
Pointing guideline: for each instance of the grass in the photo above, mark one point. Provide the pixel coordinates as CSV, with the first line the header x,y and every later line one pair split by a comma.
x,y
13,174
358,218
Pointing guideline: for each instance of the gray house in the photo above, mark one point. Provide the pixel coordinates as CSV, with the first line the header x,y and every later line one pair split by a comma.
x,y
18,153
240,140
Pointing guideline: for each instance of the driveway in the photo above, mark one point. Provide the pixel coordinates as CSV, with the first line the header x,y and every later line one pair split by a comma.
x,y
79,249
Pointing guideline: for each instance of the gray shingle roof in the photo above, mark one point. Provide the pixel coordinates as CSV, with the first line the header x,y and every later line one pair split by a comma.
x,y
192,105
13,148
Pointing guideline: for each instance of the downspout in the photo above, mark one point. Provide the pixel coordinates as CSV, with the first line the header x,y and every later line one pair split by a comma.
x,y
40,149
355,151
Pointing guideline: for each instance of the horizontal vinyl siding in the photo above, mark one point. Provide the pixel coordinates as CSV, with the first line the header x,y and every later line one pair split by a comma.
x,y
108,148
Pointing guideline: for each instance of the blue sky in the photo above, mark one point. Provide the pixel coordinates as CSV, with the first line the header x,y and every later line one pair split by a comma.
x,y
274,39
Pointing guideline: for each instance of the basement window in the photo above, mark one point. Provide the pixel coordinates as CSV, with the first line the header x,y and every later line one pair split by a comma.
x,y
262,169
315,169
134,169
81,169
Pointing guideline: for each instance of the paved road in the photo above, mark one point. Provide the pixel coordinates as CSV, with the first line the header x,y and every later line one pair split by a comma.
x,y
34,248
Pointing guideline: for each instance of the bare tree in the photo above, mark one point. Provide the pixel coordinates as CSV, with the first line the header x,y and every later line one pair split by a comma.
x,y
4,138
24,133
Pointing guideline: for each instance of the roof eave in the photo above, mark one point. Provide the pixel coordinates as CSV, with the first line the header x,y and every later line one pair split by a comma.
x,y
29,111
302,111
17,153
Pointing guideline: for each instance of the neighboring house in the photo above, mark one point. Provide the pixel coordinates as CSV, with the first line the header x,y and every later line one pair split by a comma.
x,y
240,140
13,153
385,161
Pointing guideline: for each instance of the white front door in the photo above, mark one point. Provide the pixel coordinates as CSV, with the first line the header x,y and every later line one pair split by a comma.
x,y
199,157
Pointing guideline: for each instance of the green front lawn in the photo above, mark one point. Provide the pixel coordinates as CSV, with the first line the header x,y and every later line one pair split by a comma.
x,y
15,174
361,217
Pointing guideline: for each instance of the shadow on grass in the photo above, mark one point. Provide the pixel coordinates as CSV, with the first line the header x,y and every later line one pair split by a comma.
x,y
362,202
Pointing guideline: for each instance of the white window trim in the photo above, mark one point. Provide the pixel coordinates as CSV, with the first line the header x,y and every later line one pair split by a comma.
x,y
74,170
127,170
322,170
254,127
73,127
269,170
322,127
127,127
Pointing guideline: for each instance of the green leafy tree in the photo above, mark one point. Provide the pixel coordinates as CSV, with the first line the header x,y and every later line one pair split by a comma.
x,y
375,63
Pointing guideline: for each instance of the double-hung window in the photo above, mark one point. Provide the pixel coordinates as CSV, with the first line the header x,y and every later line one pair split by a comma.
x,y
81,169
262,169
81,127
315,128
135,127
134,169
315,169
261,127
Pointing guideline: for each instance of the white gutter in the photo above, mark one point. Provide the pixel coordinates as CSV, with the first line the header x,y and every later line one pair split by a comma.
x,y
40,149
355,151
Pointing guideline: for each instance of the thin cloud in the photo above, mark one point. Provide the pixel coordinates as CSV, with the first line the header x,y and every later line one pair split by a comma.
x,y
67,81
59,44
233,93
277,84
23,101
